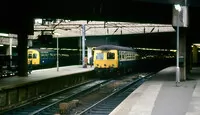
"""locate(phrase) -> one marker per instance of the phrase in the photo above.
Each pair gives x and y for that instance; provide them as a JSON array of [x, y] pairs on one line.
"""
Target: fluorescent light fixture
[[196, 44], [14, 46], [57, 34], [1, 45], [50, 48], [43, 48], [4, 34], [38, 21]]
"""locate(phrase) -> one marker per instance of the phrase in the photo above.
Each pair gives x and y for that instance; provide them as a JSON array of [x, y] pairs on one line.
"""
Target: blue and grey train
[[114, 59], [41, 57]]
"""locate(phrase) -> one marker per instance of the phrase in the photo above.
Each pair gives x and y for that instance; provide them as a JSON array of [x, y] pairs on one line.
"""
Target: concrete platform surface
[[42, 74], [161, 96]]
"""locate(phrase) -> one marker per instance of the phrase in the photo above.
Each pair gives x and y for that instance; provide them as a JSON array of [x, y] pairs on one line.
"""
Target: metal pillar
[[188, 56], [177, 53], [80, 51], [10, 51], [57, 55], [83, 43]]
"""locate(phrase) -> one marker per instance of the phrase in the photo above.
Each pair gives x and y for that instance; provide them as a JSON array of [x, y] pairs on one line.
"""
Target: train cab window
[[99, 56], [110, 55], [29, 55], [34, 55]]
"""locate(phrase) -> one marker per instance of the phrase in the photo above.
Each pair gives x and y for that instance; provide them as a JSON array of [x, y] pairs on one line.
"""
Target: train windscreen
[[110, 55], [34, 55], [99, 56], [29, 56]]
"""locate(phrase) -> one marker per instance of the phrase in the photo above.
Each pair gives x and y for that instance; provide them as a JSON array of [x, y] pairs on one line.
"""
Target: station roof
[[112, 47], [144, 11], [67, 28]]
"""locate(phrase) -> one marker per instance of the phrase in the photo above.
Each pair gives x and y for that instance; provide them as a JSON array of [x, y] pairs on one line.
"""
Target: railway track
[[107, 104], [109, 97], [51, 101]]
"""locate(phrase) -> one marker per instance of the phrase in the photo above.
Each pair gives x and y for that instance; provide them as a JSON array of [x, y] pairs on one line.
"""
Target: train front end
[[105, 61]]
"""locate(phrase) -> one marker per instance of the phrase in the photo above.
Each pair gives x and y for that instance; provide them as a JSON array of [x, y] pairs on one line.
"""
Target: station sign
[[182, 20]]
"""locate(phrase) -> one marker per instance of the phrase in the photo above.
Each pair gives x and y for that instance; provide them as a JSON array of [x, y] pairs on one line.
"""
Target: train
[[42, 57], [46, 58], [114, 59]]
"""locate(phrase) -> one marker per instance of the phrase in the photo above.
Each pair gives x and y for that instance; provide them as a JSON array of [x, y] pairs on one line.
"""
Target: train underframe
[[113, 72]]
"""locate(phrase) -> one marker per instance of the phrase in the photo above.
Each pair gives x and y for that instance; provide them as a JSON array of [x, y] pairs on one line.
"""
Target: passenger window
[[51, 55], [29, 55], [125, 55], [44, 55], [34, 55], [122, 55], [110, 55], [134, 57]]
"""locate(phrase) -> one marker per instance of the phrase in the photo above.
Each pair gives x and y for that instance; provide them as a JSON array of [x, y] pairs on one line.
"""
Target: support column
[[7, 50], [188, 56], [83, 44], [25, 22], [182, 54], [22, 54]]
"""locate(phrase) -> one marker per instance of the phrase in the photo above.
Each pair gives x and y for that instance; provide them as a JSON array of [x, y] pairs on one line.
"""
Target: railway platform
[[161, 96], [42, 74], [17, 90]]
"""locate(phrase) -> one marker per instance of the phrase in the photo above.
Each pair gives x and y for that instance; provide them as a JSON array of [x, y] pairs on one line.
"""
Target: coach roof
[[113, 47]]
